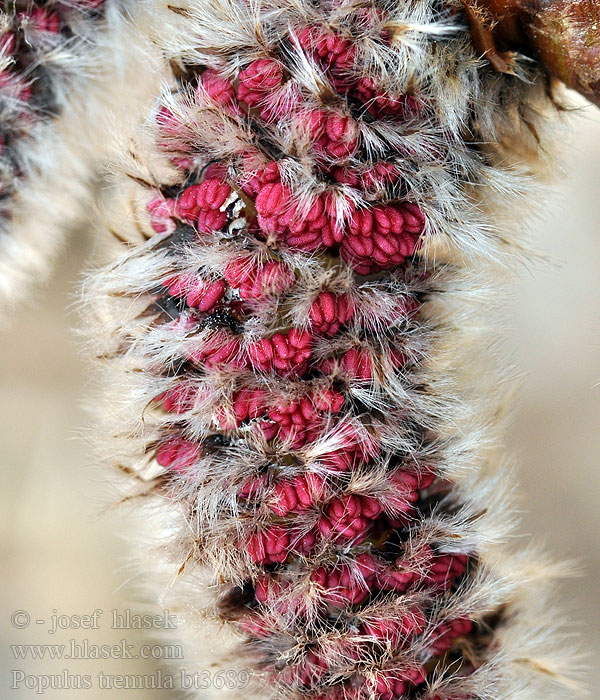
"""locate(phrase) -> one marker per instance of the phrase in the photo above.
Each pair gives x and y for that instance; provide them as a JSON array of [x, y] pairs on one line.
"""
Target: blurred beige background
[[59, 554]]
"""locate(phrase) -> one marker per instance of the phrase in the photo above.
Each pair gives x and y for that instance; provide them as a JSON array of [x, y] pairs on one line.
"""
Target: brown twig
[[563, 34]]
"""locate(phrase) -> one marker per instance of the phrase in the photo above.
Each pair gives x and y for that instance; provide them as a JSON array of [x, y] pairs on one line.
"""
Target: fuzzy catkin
[[295, 345], [67, 95], [47, 53]]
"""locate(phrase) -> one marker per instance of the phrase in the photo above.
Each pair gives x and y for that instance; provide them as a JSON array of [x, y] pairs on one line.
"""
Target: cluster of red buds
[[369, 238]]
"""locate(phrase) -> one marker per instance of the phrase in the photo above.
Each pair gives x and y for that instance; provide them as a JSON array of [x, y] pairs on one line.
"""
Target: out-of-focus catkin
[[47, 55]]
